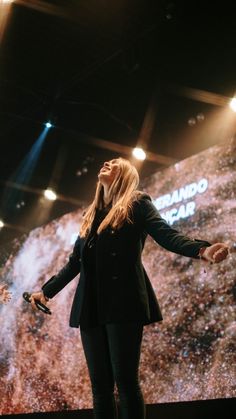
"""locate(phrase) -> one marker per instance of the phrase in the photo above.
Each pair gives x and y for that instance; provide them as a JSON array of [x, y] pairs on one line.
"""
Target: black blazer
[[124, 289]]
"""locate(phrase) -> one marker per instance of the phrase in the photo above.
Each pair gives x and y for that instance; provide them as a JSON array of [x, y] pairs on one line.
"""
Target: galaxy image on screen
[[190, 355]]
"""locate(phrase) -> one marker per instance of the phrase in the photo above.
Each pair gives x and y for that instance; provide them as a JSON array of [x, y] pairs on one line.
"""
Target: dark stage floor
[[206, 409]]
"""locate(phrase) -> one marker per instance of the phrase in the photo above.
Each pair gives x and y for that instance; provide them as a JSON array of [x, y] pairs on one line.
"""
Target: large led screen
[[188, 356]]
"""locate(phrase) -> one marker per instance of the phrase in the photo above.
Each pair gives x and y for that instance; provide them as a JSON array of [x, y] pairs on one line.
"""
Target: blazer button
[[112, 231], [113, 253], [114, 277]]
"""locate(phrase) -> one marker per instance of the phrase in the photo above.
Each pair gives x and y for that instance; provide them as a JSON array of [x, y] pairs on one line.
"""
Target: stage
[[205, 409]]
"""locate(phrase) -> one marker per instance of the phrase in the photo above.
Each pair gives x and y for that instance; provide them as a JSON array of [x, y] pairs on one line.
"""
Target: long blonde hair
[[122, 191]]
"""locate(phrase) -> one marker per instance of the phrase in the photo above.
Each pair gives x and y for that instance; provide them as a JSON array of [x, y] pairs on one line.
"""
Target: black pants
[[112, 353]]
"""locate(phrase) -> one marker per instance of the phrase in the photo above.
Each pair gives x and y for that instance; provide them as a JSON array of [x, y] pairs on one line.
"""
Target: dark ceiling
[[107, 74]]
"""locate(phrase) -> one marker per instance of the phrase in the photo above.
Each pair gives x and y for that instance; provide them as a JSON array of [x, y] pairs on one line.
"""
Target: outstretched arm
[[172, 240], [166, 236]]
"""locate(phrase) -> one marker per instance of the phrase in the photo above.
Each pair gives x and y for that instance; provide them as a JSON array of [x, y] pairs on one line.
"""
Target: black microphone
[[41, 306]]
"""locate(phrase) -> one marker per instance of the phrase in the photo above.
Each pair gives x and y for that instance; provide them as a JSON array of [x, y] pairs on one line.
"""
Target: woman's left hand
[[216, 252]]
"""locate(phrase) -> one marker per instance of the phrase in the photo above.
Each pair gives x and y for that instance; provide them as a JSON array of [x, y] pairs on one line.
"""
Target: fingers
[[6, 300], [37, 296], [8, 296], [33, 297], [32, 301], [216, 252], [221, 254], [5, 295]]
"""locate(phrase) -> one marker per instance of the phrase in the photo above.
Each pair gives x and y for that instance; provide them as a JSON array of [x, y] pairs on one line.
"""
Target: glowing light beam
[[24, 173], [27, 166]]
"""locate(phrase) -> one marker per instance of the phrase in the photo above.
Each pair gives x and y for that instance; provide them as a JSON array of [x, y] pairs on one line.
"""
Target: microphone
[[41, 306]]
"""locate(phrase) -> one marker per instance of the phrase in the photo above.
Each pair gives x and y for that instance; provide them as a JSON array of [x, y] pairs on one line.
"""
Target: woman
[[114, 298]]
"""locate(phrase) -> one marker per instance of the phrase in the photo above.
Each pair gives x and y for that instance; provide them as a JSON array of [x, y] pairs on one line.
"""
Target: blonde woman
[[114, 298]]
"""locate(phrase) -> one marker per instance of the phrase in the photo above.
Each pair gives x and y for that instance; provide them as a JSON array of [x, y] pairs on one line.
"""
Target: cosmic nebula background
[[188, 356]]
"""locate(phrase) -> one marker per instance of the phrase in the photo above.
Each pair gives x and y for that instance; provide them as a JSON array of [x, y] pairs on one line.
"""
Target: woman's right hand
[[37, 296]]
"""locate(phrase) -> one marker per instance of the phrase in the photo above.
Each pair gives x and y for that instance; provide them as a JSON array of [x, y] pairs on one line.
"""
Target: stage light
[[48, 125], [139, 153], [50, 195], [232, 104], [200, 117], [192, 122], [1, 224], [7, 1], [20, 204]]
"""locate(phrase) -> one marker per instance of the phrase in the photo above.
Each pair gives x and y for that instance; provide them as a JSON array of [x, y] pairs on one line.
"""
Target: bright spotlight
[[48, 124], [232, 104], [1, 224], [7, 1], [139, 153], [50, 195]]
